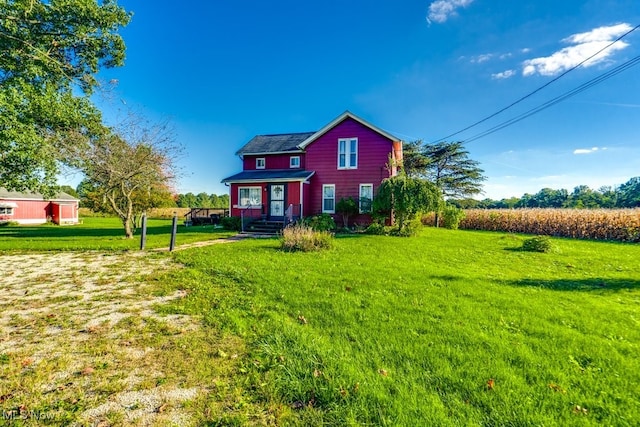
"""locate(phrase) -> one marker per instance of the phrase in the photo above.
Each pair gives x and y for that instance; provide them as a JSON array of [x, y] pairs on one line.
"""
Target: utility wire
[[597, 80], [540, 88]]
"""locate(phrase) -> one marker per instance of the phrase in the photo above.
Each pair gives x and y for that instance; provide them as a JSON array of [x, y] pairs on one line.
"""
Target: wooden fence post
[[174, 229], [143, 235]]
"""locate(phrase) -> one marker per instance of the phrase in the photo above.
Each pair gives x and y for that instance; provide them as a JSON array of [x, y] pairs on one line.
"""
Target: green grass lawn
[[448, 328], [97, 233]]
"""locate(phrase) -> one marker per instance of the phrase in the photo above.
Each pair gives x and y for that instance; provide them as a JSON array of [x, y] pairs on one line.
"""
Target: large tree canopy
[[50, 52], [447, 165]]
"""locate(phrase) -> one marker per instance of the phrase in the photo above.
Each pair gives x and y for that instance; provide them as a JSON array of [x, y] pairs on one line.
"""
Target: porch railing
[[292, 214], [250, 213]]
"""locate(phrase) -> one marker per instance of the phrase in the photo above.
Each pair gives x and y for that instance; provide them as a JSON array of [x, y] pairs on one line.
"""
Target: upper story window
[[347, 153], [260, 163], [294, 161]]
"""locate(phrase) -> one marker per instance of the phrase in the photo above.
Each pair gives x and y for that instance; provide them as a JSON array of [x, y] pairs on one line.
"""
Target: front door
[[276, 200]]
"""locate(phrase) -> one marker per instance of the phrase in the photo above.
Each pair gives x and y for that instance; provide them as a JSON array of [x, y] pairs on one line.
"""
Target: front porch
[[257, 219]]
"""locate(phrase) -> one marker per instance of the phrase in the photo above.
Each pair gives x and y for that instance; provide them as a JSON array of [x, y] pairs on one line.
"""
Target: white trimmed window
[[348, 153], [365, 198], [260, 163], [6, 210], [294, 161], [249, 196], [329, 198]]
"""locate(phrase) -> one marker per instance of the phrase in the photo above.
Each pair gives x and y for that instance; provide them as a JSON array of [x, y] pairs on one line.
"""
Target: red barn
[[292, 175], [34, 208]]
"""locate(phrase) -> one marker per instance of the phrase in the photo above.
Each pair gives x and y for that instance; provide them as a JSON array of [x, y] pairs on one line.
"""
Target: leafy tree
[[223, 201], [69, 190], [187, 200], [549, 198], [131, 168], [452, 171], [414, 162], [51, 51], [203, 200], [629, 193], [405, 198], [347, 208]]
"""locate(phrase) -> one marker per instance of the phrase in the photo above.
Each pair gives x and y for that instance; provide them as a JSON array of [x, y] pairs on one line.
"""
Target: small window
[[366, 198], [250, 197], [348, 153], [260, 163], [294, 161], [328, 198], [6, 210]]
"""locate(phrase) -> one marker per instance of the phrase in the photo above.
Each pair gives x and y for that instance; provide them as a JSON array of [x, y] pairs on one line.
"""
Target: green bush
[[302, 238], [376, 229], [9, 223], [411, 228], [323, 222], [452, 216], [233, 223], [347, 207], [537, 244]]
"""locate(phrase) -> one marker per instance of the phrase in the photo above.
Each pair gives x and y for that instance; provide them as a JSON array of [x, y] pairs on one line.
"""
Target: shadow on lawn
[[594, 284], [80, 231]]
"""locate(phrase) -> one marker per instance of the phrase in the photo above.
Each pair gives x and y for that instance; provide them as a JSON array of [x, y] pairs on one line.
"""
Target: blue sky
[[223, 72]]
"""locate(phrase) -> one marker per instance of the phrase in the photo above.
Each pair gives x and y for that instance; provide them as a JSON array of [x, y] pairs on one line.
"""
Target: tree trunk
[[128, 231]]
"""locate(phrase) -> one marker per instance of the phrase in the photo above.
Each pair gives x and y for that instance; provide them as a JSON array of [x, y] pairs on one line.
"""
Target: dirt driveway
[[78, 337]]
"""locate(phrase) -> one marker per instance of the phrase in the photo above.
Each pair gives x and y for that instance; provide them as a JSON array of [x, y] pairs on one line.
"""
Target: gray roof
[[280, 143], [16, 195], [282, 175]]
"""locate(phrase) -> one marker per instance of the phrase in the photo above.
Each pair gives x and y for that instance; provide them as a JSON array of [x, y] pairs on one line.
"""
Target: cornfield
[[601, 224]]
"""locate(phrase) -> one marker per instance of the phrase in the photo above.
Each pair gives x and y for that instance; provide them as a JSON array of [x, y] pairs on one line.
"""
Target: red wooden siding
[[272, 161], [39, 211], [293, 195], [322, 157], [63, 213]]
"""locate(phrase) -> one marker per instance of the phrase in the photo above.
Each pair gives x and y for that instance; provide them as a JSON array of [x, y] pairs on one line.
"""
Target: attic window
[[348, 153], [294, 161], [260, 163]]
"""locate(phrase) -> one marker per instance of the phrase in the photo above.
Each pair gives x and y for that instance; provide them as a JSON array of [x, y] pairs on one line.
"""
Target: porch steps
[[264, 227]]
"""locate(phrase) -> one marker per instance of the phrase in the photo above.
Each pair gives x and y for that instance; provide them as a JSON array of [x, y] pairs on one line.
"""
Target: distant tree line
[[160, 197], [202, 200], [626, 195]]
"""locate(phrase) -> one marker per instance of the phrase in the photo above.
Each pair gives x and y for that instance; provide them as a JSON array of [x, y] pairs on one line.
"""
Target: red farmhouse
[[303, 174], [33, 208]]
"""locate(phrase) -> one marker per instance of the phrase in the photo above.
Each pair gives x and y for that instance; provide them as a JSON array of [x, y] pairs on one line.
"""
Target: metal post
[[174, 229], [143, 235]]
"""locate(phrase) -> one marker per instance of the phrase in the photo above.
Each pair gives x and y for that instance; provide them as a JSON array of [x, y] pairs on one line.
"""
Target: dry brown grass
[[601, 224]]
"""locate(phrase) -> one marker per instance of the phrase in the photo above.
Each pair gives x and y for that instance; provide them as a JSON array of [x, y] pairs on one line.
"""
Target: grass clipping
[[302, 238]]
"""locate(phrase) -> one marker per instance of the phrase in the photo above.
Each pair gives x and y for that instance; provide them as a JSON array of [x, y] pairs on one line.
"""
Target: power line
[[597, 80], [540, 88]]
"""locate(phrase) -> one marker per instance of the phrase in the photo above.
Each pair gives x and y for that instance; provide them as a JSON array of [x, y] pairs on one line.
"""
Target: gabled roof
[[272, 144], [340, 119], [16, 195], [274, 175], [296, 142]]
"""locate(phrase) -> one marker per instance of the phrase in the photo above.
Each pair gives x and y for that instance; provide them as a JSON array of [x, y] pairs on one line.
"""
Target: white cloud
[[583, 46], [481, 58], [503, 75], [588, 150], [441, 10]]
